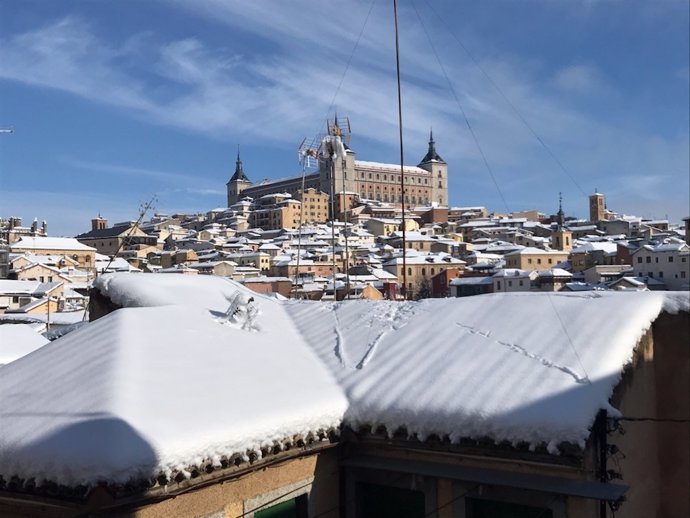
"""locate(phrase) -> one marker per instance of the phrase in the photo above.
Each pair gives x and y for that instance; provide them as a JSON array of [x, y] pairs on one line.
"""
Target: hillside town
[[284, 241]]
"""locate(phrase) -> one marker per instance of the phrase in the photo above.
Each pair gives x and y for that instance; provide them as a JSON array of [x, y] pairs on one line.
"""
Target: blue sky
[[114, 102]]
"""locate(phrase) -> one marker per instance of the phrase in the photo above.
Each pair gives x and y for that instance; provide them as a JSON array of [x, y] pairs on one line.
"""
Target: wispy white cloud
[[581, 79], [282, 93], [120, 170]]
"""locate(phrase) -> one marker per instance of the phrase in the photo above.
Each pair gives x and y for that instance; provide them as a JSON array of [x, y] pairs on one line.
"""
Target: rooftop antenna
[[333, 148], [143, 209], [344, 131], [308, 157]]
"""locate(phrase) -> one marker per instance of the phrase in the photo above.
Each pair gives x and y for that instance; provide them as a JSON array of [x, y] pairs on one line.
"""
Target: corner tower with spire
[[238, 183], [438, 168]]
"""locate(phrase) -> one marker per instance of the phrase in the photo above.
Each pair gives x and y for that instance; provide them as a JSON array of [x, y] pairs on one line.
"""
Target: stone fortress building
[[425, 184]]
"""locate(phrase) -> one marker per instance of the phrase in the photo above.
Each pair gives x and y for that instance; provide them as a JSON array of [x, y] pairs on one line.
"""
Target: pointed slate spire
[[239, 171], [431, 154], [560, 216]]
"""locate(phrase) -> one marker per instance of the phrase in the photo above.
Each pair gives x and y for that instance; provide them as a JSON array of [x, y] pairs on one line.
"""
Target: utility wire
[[457, 100], [274, 500], [349, 60], [442, 506], [570, 340], [505, 98]]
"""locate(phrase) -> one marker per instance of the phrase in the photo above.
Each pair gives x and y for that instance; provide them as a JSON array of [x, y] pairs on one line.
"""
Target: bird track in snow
[[519, 349]]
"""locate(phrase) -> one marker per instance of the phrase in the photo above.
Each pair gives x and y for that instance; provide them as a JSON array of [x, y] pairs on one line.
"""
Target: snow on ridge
[[143, 290]]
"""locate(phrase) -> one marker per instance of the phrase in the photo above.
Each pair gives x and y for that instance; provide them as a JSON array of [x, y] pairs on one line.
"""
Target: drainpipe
[[601, 431]]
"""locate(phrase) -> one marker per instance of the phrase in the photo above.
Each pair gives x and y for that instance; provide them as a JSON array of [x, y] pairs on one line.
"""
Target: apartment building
[[666, 262]]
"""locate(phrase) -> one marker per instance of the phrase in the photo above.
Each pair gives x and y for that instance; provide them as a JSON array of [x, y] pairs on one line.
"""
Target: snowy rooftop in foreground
[[162, 385]]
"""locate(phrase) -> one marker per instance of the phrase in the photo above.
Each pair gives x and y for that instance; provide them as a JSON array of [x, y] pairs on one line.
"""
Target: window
[[538, 261], [670, 258], [498, 285], [476, 508], [423, 272], [510, 284], [682, 274], [639, 259], [520, 283], [661, 275], [656, 259], [375, 501], [649, 259]]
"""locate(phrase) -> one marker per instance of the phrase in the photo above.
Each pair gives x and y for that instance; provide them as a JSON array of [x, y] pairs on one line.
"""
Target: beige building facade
[[535, 259], [85, 256]]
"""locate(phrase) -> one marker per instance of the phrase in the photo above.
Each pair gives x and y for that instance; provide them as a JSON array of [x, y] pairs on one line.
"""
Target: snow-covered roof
[[555, 272], [388, 168], [104, 411], [35, 288], [50, 243], [607, 247], [462, 373]]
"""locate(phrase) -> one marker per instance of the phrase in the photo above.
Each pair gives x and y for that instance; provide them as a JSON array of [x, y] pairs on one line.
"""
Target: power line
[[505, 98], [570, 341], [457, 100], [349, 60]]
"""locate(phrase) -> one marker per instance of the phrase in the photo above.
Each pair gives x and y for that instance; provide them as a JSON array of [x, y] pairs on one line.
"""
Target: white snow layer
[[171, 380], [17, 340]]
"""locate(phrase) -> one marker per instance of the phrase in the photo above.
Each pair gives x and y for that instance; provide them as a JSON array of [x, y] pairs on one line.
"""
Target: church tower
[[597, 207], [438, 168], [238, 183], [561, 239]]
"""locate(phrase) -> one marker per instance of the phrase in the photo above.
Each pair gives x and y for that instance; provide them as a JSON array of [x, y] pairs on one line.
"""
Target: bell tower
[[238, 183], [597, 206], [438, 168]]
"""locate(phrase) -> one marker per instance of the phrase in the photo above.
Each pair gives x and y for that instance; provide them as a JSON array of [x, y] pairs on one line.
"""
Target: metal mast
[[403, 290]]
